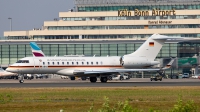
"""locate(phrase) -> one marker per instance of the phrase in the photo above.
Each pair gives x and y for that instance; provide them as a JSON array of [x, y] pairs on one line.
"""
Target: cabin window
[[101, 63], [58, 63], [97, 63], [63, 63], [77, 63], [92, 63], [72, 63], [87, 63], [48, 63], [68, 63], [53, 63], [43, 63], [82, 63]]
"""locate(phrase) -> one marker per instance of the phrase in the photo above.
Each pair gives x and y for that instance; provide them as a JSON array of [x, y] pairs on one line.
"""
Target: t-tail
[[151, 47], [36, 51]]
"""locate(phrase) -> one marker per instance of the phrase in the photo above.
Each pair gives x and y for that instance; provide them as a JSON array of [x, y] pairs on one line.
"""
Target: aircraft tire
[[21, 81], [72, 78], [104, 79], [93, 79]]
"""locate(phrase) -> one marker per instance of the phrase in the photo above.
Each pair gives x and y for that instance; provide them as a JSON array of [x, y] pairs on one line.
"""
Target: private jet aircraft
[[82, 66], [4, 73]]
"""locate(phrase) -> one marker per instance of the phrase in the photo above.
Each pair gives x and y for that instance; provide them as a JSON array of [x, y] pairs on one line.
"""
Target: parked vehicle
[[41, 76], [119, 77], [126, 76], [156, 77], [185, 75], [85, 78], [64, 77], [195, 76], [28, 76]]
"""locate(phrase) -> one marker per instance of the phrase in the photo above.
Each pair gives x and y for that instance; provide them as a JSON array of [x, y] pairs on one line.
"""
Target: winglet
[[36, 51]]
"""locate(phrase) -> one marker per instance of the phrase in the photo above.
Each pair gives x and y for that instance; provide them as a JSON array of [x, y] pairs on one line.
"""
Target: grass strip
[[81, 99]]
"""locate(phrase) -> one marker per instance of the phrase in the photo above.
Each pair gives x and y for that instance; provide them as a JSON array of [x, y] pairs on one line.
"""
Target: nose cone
[[11, 69]]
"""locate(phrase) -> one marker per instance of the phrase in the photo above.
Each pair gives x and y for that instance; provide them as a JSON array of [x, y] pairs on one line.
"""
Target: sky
[[29, 14]]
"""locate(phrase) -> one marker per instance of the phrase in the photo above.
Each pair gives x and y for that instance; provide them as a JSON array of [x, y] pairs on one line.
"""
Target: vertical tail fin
[[151, 47], [36, 51]]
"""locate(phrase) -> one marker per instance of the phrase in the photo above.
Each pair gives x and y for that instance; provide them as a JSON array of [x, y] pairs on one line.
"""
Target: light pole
[[10, 23]]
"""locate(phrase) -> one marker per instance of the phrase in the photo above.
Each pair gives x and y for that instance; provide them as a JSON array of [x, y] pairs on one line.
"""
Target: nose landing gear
[[21, 78]]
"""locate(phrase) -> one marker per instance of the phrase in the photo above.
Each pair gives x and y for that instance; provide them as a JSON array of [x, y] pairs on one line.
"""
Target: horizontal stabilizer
[[169, 64]]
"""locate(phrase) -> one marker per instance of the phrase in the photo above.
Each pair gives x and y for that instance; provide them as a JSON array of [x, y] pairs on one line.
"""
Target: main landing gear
[[21, 78], [93, 79], [102, 79]]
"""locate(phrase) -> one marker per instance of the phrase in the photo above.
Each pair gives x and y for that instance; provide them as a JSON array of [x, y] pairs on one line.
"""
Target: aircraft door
[[121, 60], [37, 65]]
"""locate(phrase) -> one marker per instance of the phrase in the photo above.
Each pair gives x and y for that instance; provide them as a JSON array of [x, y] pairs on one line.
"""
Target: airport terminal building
[[111, 27]]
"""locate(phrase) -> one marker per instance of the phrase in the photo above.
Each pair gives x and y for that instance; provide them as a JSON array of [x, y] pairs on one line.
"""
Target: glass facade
[[130, 18], [3, 38], [139, 7], [188, 49], [125, 36], [124, 27], [11, 53]]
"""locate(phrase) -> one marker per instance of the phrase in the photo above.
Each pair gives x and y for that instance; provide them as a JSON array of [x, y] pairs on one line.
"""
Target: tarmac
[[133, 82]]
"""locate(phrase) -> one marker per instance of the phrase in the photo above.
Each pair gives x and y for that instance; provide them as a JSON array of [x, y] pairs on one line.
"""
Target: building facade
[[92, 26], [116, 19]]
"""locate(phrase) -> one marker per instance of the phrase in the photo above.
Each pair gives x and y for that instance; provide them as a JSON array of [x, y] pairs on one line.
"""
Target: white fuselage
[[51, 65]]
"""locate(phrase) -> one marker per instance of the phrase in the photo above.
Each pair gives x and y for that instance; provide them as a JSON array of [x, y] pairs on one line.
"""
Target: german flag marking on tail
[[151, 44]]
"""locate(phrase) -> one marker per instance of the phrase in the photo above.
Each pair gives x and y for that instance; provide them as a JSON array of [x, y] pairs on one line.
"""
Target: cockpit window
[[23, 61]]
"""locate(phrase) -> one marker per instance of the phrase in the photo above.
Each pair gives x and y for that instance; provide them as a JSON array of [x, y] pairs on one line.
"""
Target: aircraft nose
[[9, 69]]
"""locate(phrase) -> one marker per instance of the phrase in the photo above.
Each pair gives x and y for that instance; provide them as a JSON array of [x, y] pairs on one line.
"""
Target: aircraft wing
[[124, 70], [111, 71], [108, 71], [102, 71]]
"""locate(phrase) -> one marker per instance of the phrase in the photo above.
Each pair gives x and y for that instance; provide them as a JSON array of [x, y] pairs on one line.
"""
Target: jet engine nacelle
[[129, 61], [68, 72]]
